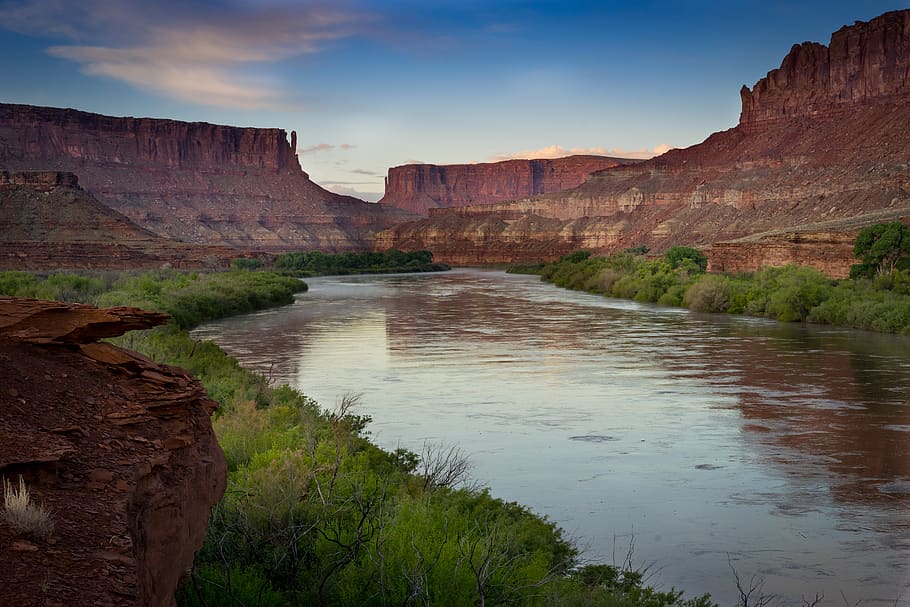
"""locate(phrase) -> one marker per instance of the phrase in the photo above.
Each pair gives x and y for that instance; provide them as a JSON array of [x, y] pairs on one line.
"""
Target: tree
[[677, 256], [882, 248]]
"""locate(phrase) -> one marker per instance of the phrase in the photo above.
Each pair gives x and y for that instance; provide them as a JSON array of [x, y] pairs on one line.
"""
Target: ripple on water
[[594, 438]]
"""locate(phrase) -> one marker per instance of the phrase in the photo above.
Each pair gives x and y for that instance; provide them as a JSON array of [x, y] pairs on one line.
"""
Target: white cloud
[[185, 51], [557, 151]]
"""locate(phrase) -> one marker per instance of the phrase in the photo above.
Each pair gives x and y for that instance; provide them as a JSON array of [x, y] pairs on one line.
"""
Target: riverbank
[[787, 294], [316, 513]]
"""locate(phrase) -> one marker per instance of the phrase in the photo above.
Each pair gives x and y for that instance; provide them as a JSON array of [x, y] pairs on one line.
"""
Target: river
[[707, 443]]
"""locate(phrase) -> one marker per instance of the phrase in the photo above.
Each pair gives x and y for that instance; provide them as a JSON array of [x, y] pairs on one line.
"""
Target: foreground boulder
[[119, 449]]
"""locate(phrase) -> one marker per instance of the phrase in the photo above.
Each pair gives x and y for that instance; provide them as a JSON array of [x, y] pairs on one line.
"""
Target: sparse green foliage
[[24, 516]]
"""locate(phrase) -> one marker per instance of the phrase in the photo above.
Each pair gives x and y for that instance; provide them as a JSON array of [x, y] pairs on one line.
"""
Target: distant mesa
[[192, 181], [421, 187], [822, 148]]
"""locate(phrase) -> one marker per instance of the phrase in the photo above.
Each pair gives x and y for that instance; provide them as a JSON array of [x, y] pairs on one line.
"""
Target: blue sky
[[368, 84]]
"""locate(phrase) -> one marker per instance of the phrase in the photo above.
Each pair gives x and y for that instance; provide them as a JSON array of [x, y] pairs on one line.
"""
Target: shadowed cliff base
[[48, 222]]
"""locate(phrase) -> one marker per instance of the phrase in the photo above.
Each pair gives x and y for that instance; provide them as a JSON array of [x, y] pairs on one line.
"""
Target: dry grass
[[22, 515]]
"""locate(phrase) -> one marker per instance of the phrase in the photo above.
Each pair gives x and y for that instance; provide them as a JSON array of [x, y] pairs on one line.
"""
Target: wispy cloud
[[185, 51], [365, 172], [557, 151], [319, 147], [325, 147]]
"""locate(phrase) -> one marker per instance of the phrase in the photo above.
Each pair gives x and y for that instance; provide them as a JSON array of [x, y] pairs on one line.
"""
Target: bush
[[709, 294], [245, 263], [24, 516], [678, 256]]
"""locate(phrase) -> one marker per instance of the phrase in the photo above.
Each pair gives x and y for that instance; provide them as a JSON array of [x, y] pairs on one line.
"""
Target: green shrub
[[691, 258], [708, 294]]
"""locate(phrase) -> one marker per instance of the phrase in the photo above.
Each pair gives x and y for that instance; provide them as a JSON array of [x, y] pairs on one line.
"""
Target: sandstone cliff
[[864, 64], [48, 222], [421, 187], [195, 182], [118, 448], [801, 167]]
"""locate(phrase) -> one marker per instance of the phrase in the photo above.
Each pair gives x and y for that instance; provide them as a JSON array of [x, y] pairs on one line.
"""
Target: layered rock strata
[[195, 182], [801, 167], [421, 187], [864, 64], [48, 222], [119, 449]]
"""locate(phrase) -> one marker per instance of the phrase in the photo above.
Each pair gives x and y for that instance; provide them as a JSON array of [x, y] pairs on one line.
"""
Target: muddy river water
[[710, 443]]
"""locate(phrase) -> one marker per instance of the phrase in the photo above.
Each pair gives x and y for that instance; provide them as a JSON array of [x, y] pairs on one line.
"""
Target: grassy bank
[[317, 514], [789, 293]]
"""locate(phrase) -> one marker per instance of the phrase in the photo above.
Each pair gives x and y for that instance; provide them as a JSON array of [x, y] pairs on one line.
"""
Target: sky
[[374, 84]]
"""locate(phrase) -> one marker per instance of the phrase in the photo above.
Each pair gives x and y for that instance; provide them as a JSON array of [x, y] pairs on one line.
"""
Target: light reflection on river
[[783, 449]]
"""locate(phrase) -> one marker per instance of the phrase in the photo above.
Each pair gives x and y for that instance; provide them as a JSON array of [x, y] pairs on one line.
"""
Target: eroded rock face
[[48, 222], [194, 182], [119, 448], [864, 64], [421, 187], [800, 168]]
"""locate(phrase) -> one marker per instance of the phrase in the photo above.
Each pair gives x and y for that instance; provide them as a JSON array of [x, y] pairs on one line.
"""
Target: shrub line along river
[[783, 450]]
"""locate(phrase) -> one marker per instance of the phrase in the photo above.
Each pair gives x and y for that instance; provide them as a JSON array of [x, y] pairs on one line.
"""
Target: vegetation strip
[[876, 297]]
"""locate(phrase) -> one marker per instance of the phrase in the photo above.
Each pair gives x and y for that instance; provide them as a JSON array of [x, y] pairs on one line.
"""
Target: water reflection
[[780, 447]]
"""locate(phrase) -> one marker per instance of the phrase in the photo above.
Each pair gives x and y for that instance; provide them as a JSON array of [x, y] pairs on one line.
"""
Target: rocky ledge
[[119, 449]]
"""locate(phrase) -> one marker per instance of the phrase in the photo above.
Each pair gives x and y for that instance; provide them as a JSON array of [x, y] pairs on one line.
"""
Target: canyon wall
[[120, 451], [51, 134], [48, 222], [194, 182], [421, 187], [802, 167], [864, 64]]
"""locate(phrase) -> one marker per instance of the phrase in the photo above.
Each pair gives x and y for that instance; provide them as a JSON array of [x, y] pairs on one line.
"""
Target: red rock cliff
[[866, 63], [50, 134], [421, 187], [194, 182], [119, 449], [802, 167]]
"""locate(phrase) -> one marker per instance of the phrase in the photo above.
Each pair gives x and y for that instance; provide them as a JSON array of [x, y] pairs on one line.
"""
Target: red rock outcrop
[[48, 222], [118, 448], [421, 187], [864, 64], [802, 167], [195, 182]]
